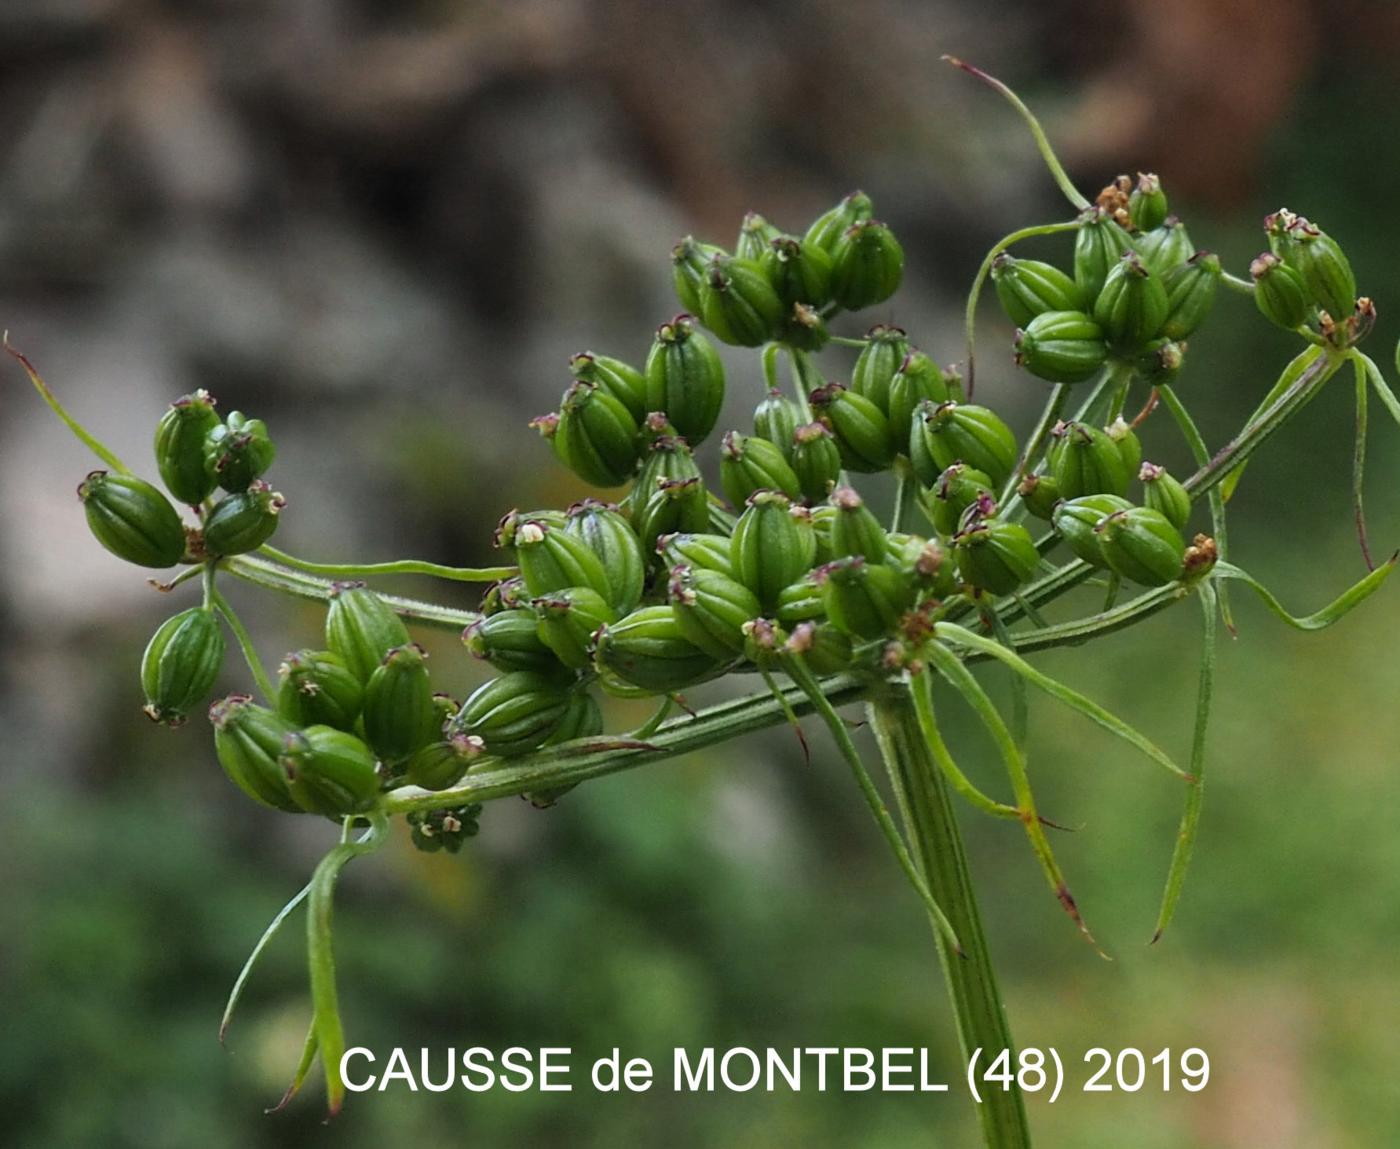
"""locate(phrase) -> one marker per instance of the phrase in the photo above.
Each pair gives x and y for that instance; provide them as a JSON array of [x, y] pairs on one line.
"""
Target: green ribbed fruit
[[867, 265], [957, 488], [180, 665], [620, 380], [917, 379], [510, 640], [748, 464], [738, 303], [440, 765], [828, 228], [685, 379], [1132, 306], [1087, 461], [860, 428], [1165, 247], [550, 559], [1190, 294], [960, 433], [885, 350], [1098, 246], [711, 609], [1141, 545], [318, 689], [816, 460], [855, 530], [329, 771], [773, 545], [864, 600], [689, 259], [1061, 347], [610, 536], [132, 519], [1077, 521], [1164, 494], [248, 742], [568, 620], [1147, 204], [180, 437], [361, 628], [800, 272], [595, 436], [1279, 292], [775, 418], [648, 650], [996, 557], [513, 714], [243, 521], [400, 716], [701, 549], [1027, 288], [238, 451]]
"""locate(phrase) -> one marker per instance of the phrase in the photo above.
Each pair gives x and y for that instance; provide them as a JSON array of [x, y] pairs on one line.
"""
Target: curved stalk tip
[[81, 433], [1042, 141]]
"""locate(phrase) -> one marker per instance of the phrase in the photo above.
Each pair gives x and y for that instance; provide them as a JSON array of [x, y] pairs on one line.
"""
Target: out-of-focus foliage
[[386, 233]]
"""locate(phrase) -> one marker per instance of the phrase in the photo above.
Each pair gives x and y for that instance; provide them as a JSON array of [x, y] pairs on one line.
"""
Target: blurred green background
[[384, 228]]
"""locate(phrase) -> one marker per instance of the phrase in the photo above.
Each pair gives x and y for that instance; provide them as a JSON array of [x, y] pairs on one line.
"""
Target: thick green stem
[[799, 673], [936, 842], [326, 1027], [584, 759], [1298, 394]]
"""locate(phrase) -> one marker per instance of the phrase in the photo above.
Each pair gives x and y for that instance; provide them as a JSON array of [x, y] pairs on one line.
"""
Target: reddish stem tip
[[286, 1097]]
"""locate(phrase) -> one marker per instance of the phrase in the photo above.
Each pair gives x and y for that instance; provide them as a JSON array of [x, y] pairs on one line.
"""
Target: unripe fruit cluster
[[347, 719], [197, 454], [1305, 279], [1136, 289], [675, 584]]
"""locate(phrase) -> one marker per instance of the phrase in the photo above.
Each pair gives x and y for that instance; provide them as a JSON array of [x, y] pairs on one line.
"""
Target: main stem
[[936, 843]]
